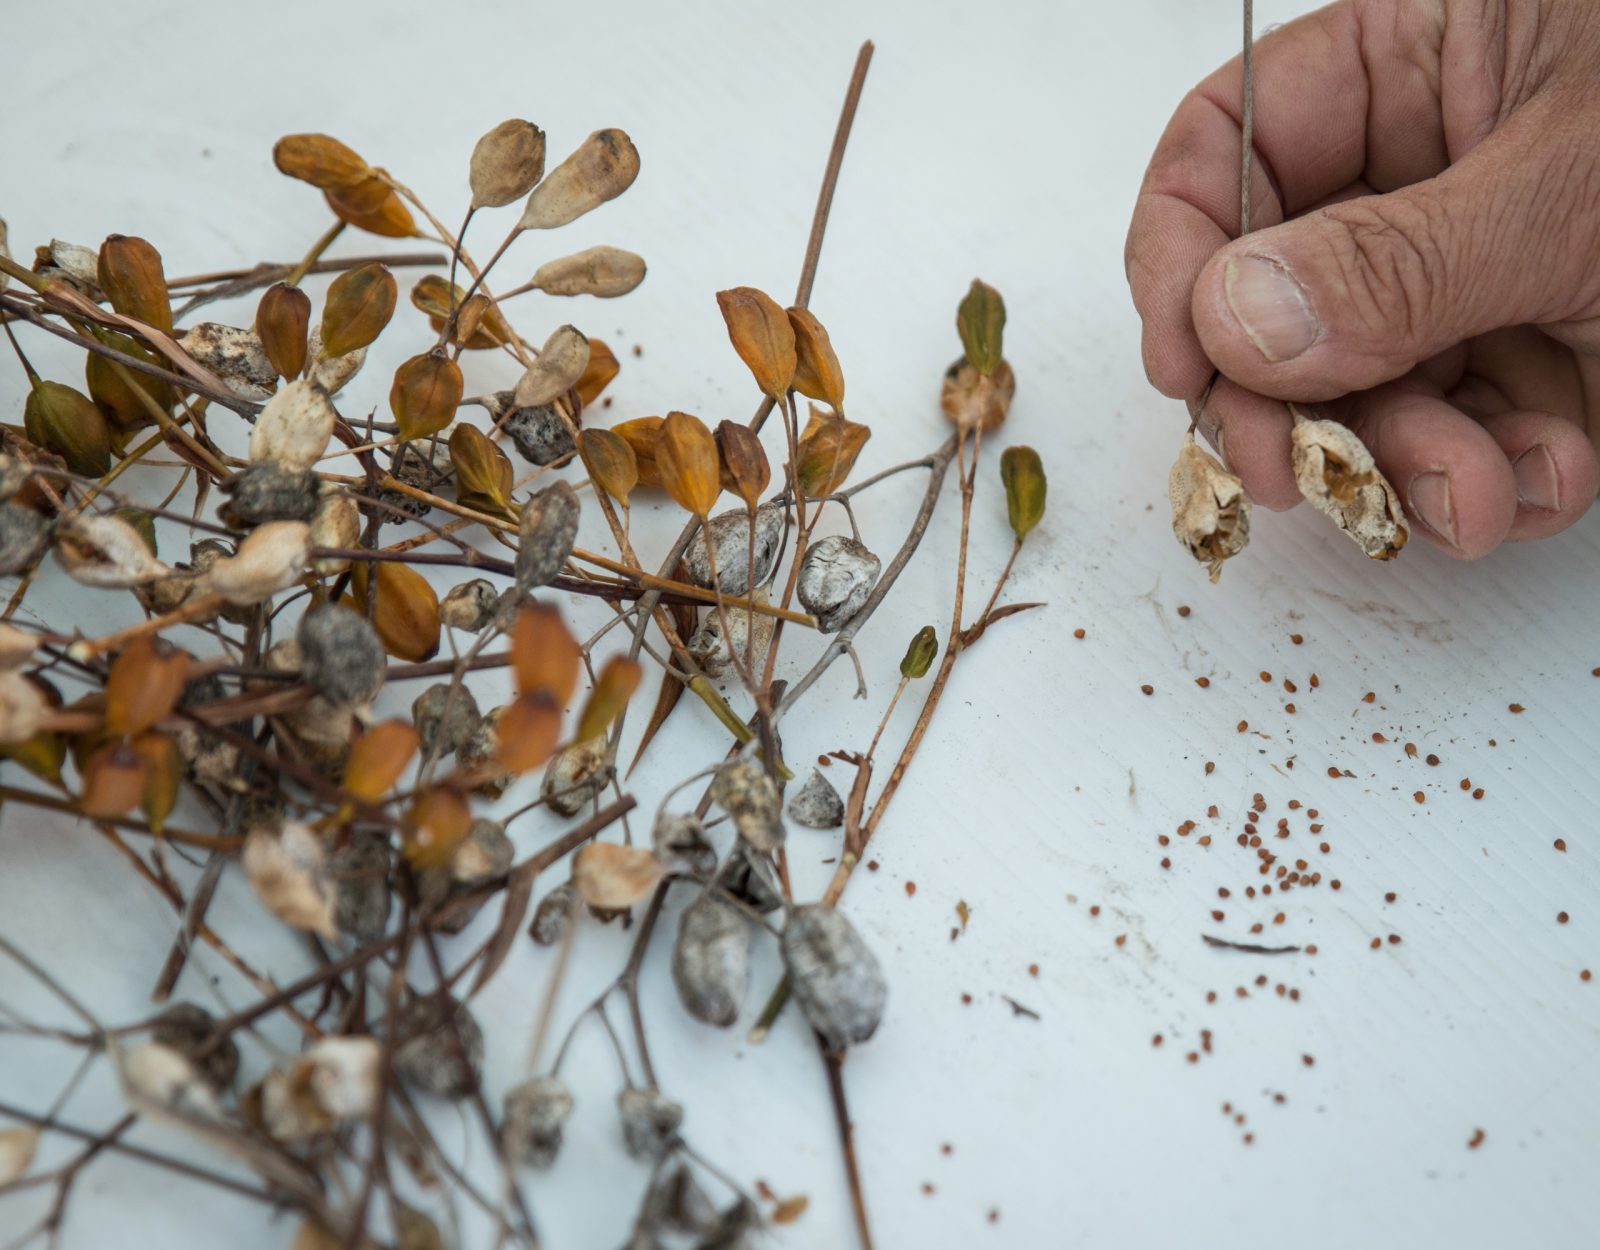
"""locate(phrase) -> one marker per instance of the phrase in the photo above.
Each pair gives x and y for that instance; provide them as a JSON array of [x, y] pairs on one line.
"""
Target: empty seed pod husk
[[358, 306], [469, 606], [161, 1084], [335, 523], [552, 915], [295, 426], [481, 753], [130, 274], [575, 776], [22, 705], [817, 805], [283, 324], [429, 1056], [974, 400], [1336, 472], [269, 490], [650, 1121], [320, 160], [106, 551], [1210, 511], [760, 332], [425, 393], [981, 323], [427, 714], [747, 883], [236, 356], [332, 373], [718, 657], [602, 168], [560, 363], [360, 873], [69, 423], [288, 872], [545, 535], [341, 653], [506, 163], [535, 1110], [273, 557], [605, 272], [750, 797], [679, 841], [817, 374], [613, 878], [540, 434], [677, 1202], [186, 1027], [834, 977], [72, 263], [729, 534], [836, 577], [711, 960], [24, 537], [827, 452]]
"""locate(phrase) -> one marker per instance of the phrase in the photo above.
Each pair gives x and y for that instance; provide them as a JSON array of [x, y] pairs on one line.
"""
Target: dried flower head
[[834, 977], [561, 362], [650, 1121], [440, 1048], [729, 535], [535, 1110], [341, 652], [836, 577], [711, 960], [236, 356], [287, 871], [750, 797], [283, 322], [273, 557], [295, 426], [469, 606], [1336, 472], [545, 535], [506, 163], [605, 272], [1210, 511], [602, 168], [817, 804]]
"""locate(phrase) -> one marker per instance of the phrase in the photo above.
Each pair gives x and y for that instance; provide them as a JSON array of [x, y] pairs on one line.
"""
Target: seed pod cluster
[[834, 977], [836, 577]]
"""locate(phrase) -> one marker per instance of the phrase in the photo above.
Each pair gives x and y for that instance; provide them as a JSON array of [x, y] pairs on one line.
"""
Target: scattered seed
[[1311, 950], [1584, 974], [1394, 939], [1466, 783], [1243, 725], [824, 760], [1256, 928], [911, 888], [1561, 917], [1163, 839], [946, 1148], [1148, 689], [1333, 772], [1077, 633], [1334, 883], [1211, 996], [1212, 811], [1376, 942], [1561, 844], [1202, 682], [1420, 797], [1307, 1060], [1369, 697], [1166, 863], [1241, 992], [1216, 915], [1205, 840], [1411, 749], [1278, 919], [1121, 939], [1183, 611], [872, 865], [1033, 970], [1433, 761], [1314, 682], [1289, 707], [1095, 910], [1210, 768], [966, 998], [927, 1188], [1156, 1040], [1516, 707], [1389, 898], [1222, 891], [1379, 738], [1477, 1139], [1296, 639], [1477, 794], [1205, 1040], [1266, 676], [1193, 1057]]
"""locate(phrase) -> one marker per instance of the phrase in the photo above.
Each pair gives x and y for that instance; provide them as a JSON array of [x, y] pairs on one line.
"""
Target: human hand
[[1425, 257]]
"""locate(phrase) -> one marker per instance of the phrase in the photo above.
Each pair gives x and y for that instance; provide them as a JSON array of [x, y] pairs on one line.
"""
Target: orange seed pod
[[546, 655], [827, 452], [283, 321], [320, 160], [817, 374], [406, 616], [760, 332], [686, 459], [746, 461], [435, 826], [359, 304], [529, 731], [113, 781], [641, 434], [425, 394], [131, 276], [144, 684], [611, 462], [617, 682], [378, 758]]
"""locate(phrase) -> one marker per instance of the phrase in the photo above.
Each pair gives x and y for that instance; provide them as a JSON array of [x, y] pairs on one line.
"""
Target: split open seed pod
[[760, 332], [69, 423], [469, 607], [320, 160], [641, 434], [611, 463], [834, 977], [975, 400], [687, 460], [719, 656], [1210, 511], [544, 653], [272, 557], [335, 372], [1336, 472], [817, 373], [107, 552], [283, 320], [425, 394], [358, 306], [144, 684], [836, 578], [406, 615], [827, 452], [295, 426], [372, 205], [605, 272], [711, 960], [506, 163], [546, 533], [1025, 485], [577, 774], [236, 356], [750, 797], [602, 168], [130, 274], [287, 871], [679, 841], [560, 364], [341, 654], [541, 435]]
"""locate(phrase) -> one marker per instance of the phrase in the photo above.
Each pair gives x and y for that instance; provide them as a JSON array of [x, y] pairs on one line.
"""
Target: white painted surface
[[1007, 141]]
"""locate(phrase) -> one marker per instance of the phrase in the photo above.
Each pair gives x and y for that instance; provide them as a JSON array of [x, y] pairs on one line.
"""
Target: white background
[[1004, 140]]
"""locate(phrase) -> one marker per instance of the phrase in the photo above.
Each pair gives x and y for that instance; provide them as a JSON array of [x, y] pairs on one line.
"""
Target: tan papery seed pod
[[234, 355], [1336, 472], [641, 434], [271, 558], [817, 373], [17, 1145], [406, 615], [336, 523], [107, 552], [144, 684], [469, 607], [603, 167], [611, 462], [554, 912], [506, 164], [746, 462], [295, 426], [977, 401], [605, 272], [333, 373], [560, 364], [287, 872], [718, 657], [575, 776], [597, 374], [760, 332], [1210, 511], [283, 323], [688, 462], [160, 1083]]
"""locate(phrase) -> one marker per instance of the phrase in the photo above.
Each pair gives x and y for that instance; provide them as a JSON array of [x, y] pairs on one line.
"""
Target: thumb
[[1357, 293]]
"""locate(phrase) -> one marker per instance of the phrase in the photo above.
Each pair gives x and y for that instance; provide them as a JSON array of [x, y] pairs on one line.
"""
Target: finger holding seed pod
[[836, 577], [817, 805], [269, 490], [602, 168], [506, 163], [360, 872], [750, 797], [554, 913], [545, 535], [1210, 511], [650, 1121], [283, 323], [469, 606], [342, 654], [711, 960], [440, 1047], [1336, 472], [535, 1111], [679, 841], [604, 272], [234, 355], [834, 977], [729, 534]]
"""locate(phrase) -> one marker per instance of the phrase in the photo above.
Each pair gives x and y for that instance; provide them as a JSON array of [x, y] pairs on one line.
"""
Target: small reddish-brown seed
[[1561, 917], [1561, 844], [1163, 839], [825, 761], [1290, 686], [1394, 939], [1376, 942], [994, 1215], [1241, 992], [1584, 974], [1516, 707], [1166, 863], [637, 350], [1243, 725], [1477, 1139], [1379, 738], [1323, 848], [1314, 682], [1244, 839], [1205, 1040], [1254, 840], [1493, 743], [1212, 811], [1282, 989], [1307, 1060], [911, 888], [1210, 768], [1300, 864], [1077, 633], [1250, 891], [1202, 682], [872, 865], [1296, 639], [1192, 1057], [1278, 919], [1369, 696], [1420, 797], [1033, 970], [1316, 828], [1222, 891], [1433, 761], [1211, 996], [1261, 980], [1216, 915], [1294, 805], [927, 1188], [1411, 749], [1256, 928], [1095, 910], [1333, 772], [1311, 812], [1121, 938], [1148, 689], [966, 998], [1389, 898], [1204, 840], [1249, 827], [1266, 676], [1311, 950], [1334, 883], [1183, 611], [1466, 783], [1289, 707], [1477, 794], [1156, 1040]]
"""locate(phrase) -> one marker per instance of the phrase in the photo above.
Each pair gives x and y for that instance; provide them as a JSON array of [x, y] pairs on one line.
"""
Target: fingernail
[[1269, 306], [1537, 483], [1429, 497]]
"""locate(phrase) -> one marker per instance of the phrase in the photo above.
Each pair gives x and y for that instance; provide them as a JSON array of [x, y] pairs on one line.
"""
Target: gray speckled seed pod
[[469, 606], [360, 874], [428, 1056], [649, 1121], [551, 915], [817, 805], [341, 654], [269, 491], [711, 960], [24, 536], [484, 854], [535, 1110], [186, 1027], [743, 790], [427, 713], [835, 579], [834, 977], [575, 776], [545, 535], [540, 435], [730, 543], [679, 841]]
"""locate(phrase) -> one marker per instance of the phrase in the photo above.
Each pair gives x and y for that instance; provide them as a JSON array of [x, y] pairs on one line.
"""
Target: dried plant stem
[[833, 1061], [889, 711], [299, 272], [1248, 122], [830, 176]]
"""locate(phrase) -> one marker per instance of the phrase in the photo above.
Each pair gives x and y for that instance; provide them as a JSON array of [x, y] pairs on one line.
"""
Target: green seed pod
[[981, 322], [130, 274], [68, 423], [834, 977], [920, 654], [1024, 479], [359, 304], [283, 320], [547, 530]]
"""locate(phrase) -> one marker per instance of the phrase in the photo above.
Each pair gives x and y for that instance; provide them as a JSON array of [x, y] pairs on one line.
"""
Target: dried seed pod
[[750, 797], [342, 655], [597, 374], [746, 471], [506, 163], [1026, 487], [688, 463], [163, 775], [440, 1047], [1210, 511], [427, 713], [760, 332], [611, 463], [236, 356], [5, 281], [295, 426], [827, 452], [24, 537], [436, 297], [641, 435], [335, 523], [283, 323], [679, 841], [469, 606], [14, 475], [817, 373], [650, 1121], [834, 977], [436, 824], [540, 434], [606, 272], [425, 393], [16, 646], [545, 535], [560, 363], [817, 805], [471, 316], [378, 759], [72, 263], [836, 577], [113, 781], [717, 656], [920, 655], [483, 472], [129, 271], [406, 615], [332, 373], [981, 323], [739, 1227], [321, 728], [676, 1201], [185, 1027], [484, 854], [416, 1231], [417, 469], [207, 758], [602, 168], [535, 1110], [22, 705], [374, 206], [69, 423], [550, 918], [106, 551], [320, 160], [343, 1074], [288, 873], [1336, 472], [729, 534], [612, 690], [162, 1084], [974, 400], [119, 398], [745, 881], [612, 877], [358, 306], [271, 558], [575, 776], [360, 873], [481, 754], [269, 490], [711, 960], [144, 684]]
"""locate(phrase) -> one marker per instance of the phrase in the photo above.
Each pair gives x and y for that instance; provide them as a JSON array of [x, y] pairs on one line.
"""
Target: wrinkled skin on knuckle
[[1390, 257]]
